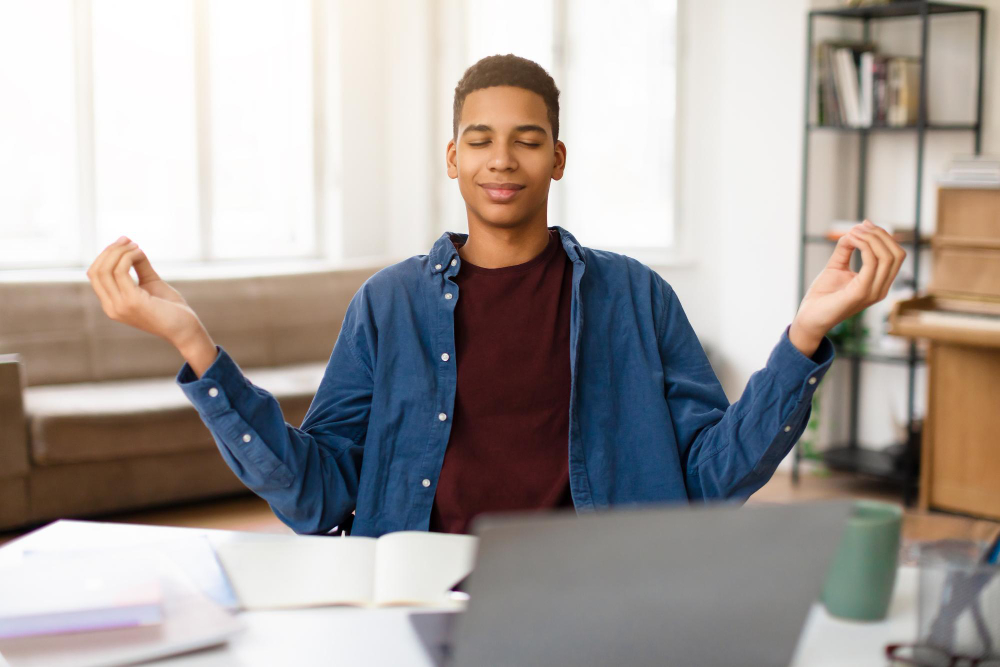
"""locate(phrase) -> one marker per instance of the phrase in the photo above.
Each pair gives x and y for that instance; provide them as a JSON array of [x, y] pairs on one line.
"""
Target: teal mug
[[862, 575]]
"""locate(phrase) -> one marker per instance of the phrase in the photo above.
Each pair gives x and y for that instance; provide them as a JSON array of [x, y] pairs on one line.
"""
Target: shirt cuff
[[221, 385], [794, 371]]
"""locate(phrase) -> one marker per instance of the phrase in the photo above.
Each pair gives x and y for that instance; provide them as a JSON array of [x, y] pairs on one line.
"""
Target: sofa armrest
[[13, 423]]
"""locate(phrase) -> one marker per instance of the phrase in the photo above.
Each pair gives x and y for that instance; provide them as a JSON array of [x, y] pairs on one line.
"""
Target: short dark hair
[[508, 70]]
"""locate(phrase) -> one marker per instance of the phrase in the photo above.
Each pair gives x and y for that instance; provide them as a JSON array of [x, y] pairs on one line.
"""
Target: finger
[[883, 266], [126, 286], [841, 257], [898, 256], [93, 275], [143, 269], [869, 263], [106, 276]]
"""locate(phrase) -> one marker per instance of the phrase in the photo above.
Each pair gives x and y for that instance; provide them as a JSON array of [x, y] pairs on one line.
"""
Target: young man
[[509, 368]]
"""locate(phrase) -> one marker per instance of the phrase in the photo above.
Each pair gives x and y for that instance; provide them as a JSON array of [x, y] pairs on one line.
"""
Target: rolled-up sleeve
[[731, 450], [309, 475]]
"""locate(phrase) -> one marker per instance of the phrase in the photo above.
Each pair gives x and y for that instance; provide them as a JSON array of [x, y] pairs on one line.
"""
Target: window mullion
[[203, 116], [319, 143], [84, 79]]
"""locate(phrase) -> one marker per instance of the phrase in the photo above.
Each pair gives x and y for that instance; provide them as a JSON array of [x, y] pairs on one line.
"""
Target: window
[[615, 66], [210, 130], [39, 190], [188, 125], [618, 120]]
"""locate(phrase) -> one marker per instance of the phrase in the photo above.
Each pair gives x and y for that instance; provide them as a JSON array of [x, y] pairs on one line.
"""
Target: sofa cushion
[[265, 316], [98, 487], [115, 419]]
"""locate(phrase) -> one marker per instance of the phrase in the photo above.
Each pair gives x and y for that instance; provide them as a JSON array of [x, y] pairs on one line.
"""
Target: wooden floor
[[250, 513]]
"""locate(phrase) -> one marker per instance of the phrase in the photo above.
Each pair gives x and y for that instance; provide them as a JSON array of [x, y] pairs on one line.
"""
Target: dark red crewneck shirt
[[509, 443]]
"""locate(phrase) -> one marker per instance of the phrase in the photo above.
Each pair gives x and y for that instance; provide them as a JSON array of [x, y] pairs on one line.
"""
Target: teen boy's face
[[504, 157]]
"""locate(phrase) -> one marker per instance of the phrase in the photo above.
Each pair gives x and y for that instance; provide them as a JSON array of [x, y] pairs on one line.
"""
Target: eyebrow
[[519, 128]]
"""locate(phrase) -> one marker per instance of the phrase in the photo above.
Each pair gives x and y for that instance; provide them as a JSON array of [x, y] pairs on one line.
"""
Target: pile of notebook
[[972, 171], [115, 605], [135, 596]]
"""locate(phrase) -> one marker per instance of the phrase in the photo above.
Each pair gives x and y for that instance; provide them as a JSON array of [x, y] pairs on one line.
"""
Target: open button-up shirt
[[649, 421]]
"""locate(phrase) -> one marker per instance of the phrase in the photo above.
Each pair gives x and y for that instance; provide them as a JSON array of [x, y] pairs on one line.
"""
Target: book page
[[417, 567], [300, 571]]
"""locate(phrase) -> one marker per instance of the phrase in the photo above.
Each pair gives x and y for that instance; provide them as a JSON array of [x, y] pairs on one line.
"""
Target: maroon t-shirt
[[509, 442]]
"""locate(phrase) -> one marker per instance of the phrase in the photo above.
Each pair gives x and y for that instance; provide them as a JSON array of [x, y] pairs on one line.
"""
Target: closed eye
[[483, 143]]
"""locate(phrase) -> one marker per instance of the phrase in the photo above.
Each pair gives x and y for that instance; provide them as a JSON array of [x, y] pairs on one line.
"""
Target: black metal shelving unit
[[899, 463]]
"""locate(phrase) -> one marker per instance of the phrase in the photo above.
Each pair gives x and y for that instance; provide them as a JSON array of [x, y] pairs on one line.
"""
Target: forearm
[[735, 455], [198, 350], [308, 475], [806, 343]]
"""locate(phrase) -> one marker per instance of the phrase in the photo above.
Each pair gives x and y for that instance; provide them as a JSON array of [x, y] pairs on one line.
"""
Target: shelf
[[898, 463], [812, 238], [929, 127], [895, 10], [885, 464], [878, 358]]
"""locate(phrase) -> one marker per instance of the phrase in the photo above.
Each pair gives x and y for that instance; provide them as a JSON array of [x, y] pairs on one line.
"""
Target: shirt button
[[787, 429], [445, 357], [213, 392], [246, 437], [442, 416], [426, 483], [447, 295], [454, 262], [812, 380], [437, 266]]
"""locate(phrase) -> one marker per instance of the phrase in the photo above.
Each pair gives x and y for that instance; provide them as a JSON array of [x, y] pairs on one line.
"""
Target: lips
[[502, 192]]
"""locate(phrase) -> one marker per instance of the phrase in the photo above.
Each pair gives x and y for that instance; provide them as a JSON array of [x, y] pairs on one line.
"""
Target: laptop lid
[[662, 585]]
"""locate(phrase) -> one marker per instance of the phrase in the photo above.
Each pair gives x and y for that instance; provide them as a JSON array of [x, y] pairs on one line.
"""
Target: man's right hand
[[152, 305]]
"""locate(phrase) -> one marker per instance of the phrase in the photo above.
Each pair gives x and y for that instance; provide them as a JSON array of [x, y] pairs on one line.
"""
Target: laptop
[[711, 584]]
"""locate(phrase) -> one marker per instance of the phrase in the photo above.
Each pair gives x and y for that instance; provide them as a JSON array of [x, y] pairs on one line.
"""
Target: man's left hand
[[838, 292]]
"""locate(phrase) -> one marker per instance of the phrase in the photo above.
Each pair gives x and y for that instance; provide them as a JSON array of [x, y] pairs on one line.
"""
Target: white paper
[[300, 571], [416, 567]]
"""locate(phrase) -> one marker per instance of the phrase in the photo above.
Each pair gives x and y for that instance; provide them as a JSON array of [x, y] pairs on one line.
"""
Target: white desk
[[345, 635]]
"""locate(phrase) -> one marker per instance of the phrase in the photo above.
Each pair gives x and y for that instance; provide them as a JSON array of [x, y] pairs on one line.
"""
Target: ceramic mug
[[862, 575]]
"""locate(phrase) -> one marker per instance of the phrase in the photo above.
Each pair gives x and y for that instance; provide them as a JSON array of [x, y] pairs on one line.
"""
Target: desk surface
[[387, 637]]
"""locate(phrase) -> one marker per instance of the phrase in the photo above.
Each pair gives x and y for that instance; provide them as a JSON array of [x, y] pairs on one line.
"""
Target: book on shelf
[[859, 87]]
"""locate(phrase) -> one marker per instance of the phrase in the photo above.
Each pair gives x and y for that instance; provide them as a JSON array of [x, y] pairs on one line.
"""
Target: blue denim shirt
[[649, 421]]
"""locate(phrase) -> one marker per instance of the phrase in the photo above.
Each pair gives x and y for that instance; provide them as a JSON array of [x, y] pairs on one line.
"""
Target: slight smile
[[502, 192]]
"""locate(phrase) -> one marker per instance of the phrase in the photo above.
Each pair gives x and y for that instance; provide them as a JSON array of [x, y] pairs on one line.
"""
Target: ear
[[559, 156], [451, 159]]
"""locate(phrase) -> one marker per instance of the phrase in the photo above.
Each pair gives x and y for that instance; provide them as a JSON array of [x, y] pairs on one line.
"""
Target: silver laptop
[[670, 585]]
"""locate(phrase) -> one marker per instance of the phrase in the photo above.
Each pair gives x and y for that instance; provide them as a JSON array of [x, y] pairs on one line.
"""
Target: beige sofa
[[91, 418]]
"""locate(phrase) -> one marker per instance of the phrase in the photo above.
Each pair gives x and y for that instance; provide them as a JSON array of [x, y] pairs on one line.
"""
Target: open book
[[402, 568]]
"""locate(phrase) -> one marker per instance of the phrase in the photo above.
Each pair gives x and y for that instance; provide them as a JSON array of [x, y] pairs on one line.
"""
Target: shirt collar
[[443, 252]]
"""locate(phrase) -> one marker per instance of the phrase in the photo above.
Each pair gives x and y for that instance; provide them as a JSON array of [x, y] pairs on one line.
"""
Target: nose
[[502, 159]]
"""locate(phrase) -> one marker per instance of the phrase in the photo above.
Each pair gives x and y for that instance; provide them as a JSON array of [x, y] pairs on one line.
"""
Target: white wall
[[740, 108]]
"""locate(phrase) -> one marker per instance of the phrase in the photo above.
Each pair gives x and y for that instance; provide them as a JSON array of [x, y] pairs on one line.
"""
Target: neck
[[493, 247]]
